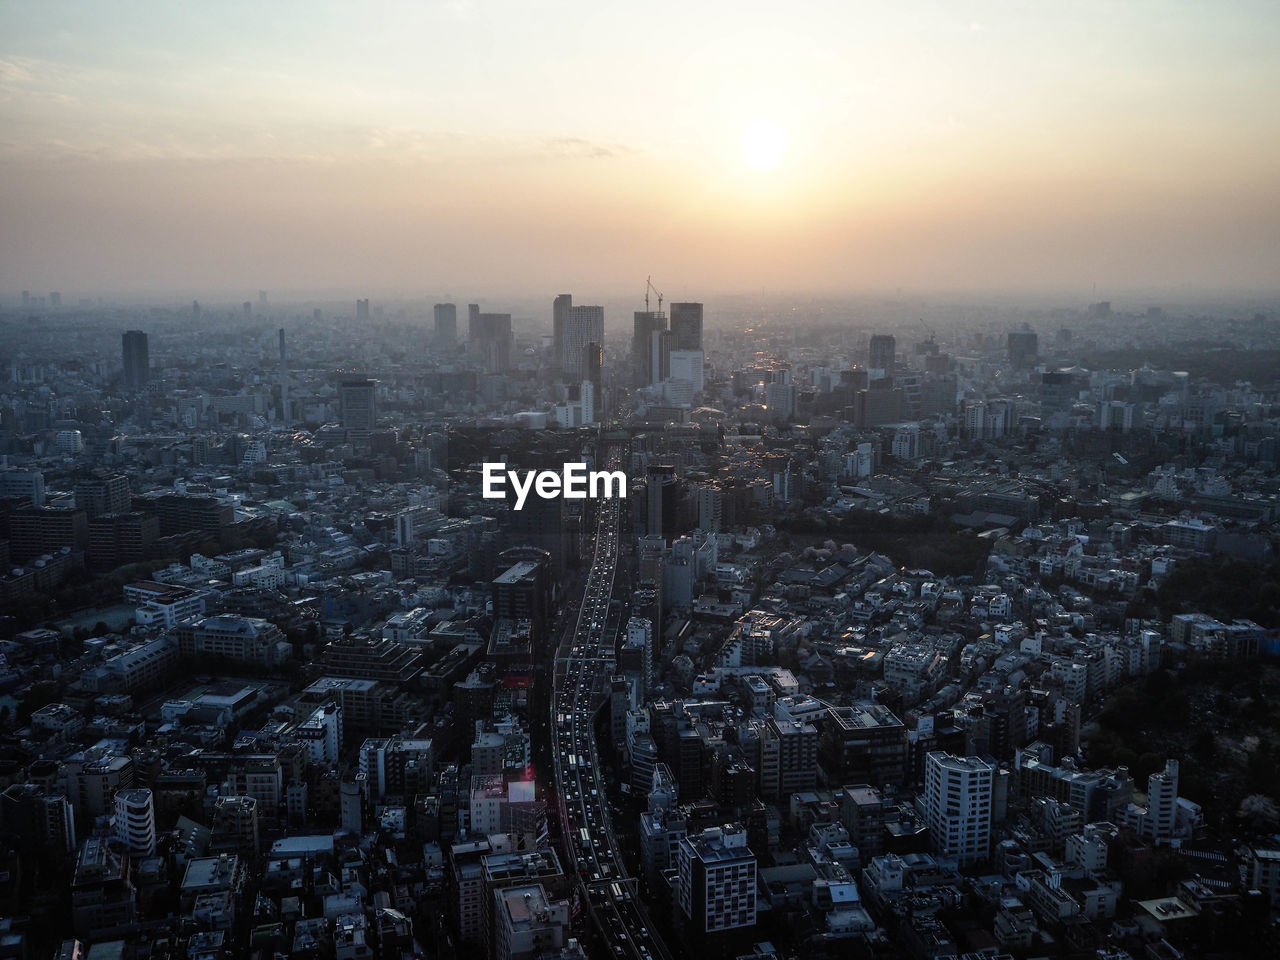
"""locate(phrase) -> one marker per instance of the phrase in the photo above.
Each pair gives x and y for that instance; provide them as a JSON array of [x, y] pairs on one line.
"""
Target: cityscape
[[873, 554]]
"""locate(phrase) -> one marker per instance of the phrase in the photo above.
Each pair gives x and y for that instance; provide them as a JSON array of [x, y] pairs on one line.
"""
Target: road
[[585, 661]]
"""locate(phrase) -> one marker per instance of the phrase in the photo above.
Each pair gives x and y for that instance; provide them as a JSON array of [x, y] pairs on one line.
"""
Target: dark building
[[661, 500], [36, 531], [358, 401], [446, 322], [686, 326], [523, 592], [362, 309], [137, 361], [593, 368], [103, 495], [864, 743], [119, 538], [646, 325], [559, 317], [181, 512], [1024, 348], [490, 339], [883, 351]]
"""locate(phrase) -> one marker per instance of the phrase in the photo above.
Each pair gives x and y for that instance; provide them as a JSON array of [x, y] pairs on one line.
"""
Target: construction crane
[[648, 285]]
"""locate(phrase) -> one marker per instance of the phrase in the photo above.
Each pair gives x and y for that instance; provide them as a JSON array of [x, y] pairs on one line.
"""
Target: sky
[[483, 147]]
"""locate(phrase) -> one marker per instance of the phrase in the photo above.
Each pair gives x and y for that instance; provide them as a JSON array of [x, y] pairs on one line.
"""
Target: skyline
[[495, 148]]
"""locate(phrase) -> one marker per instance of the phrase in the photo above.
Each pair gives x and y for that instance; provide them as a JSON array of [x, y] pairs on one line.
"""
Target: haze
[[484, 147]]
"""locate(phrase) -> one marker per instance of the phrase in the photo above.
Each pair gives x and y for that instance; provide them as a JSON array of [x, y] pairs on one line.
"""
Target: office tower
[[559, 317], [55, 299], [262, 299], [593, 366], [646, 324], [1024, 348], [446, 323], [135, 822], [101, 495], [660, 356], [489, 339], [359, 407], [958, 802], [523, 592], [195, 309], [883, 350], [362, 309], [284, 380], [716, 879], [660, 500], [26, 298], [247, 308], [582, 325], [686, 326], [137, 363]]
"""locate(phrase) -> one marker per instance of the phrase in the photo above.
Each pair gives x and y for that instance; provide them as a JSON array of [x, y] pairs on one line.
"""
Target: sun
[[763, 145]]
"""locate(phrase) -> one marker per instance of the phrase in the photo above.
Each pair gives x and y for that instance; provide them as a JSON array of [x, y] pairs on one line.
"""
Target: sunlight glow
[[763, 145]]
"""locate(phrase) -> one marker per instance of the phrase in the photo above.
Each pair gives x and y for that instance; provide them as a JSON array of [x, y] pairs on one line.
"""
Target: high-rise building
[[646, 325], [1162, 804], [137, 362], [660, 355], [593, 366], [446, 322], [581, 325], [686, 326], [362, 309], [559, 317], [135, 821], [716, 879], [959, 795], [284, 379], [661, 504], [1024, 348], [489, 338], [358, 402], [883, 350]]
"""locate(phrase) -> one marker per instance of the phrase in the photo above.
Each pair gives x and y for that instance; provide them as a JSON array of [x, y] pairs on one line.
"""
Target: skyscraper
[[358, 407], [646, 324], [582, 325], [686, 326], [959, 794], [446, 322], [362, 309], [559, 317], [883, 349], [593, 365], [661, 502], [137, 361], [489, 337]]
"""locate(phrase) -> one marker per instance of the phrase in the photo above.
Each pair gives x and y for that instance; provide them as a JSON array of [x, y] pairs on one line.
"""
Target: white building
[[135, 821], [322, 734], [958, 803], [716, 879]]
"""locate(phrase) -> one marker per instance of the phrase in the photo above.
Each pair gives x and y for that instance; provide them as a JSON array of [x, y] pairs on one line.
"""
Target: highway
[[584, 663]]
